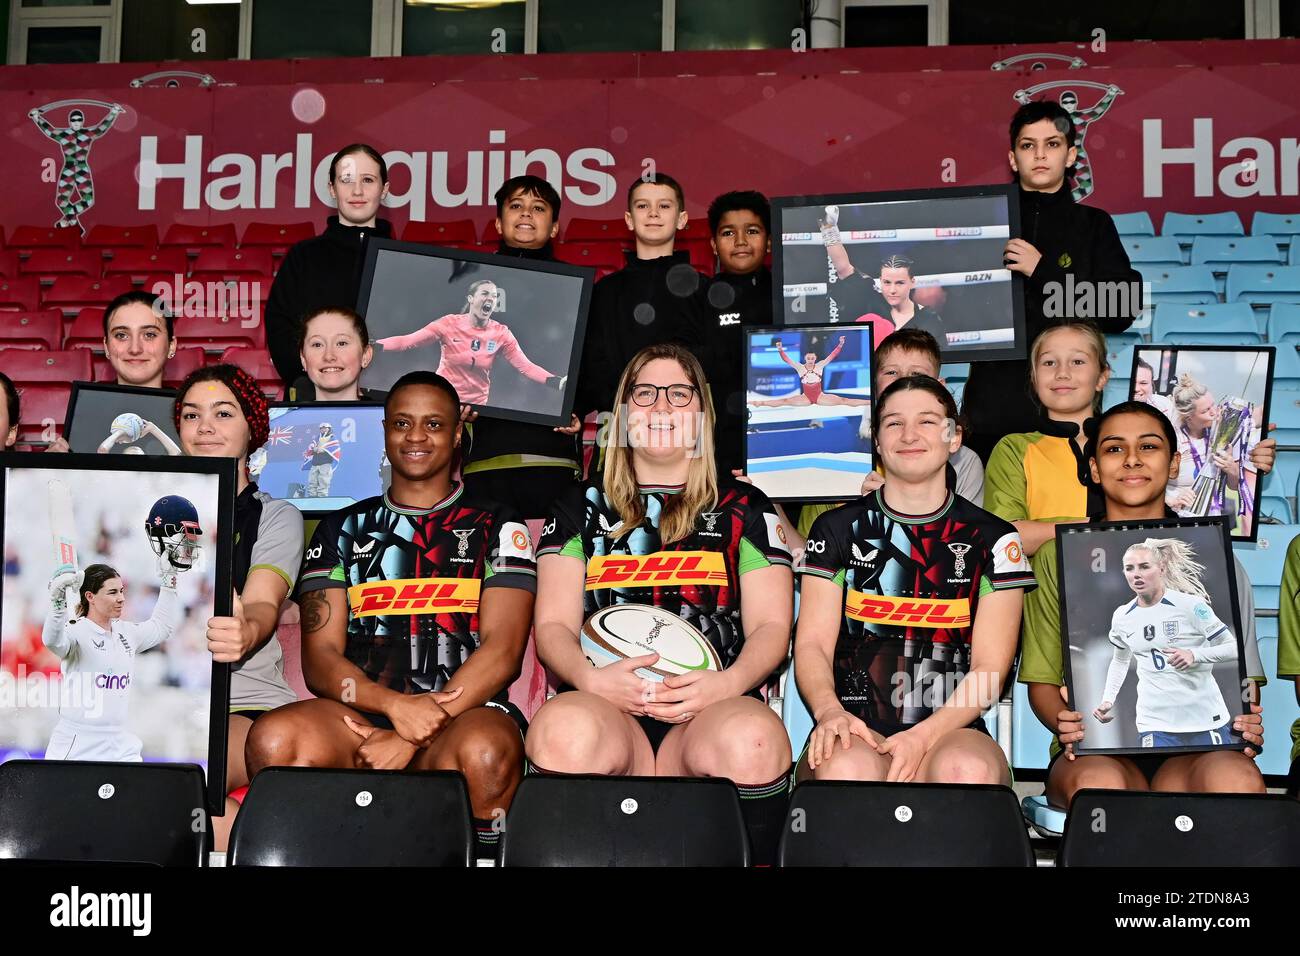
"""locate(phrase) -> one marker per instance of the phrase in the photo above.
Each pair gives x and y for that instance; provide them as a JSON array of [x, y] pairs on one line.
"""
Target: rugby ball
[[633, 630]]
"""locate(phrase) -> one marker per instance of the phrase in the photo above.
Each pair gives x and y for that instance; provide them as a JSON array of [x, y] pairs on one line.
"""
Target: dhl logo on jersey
[[662, 567], [415, 596], [907, 611]]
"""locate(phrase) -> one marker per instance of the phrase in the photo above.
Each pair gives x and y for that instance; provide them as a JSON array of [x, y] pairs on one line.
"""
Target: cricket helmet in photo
[[173, 529]]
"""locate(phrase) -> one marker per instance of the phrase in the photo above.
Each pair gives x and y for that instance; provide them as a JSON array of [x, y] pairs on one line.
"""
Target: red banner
[[1189, 127]]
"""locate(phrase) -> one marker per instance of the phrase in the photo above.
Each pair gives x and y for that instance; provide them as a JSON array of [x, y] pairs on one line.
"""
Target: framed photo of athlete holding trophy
[[1158, 598], [506, 332], [113, 565], [929, 259]]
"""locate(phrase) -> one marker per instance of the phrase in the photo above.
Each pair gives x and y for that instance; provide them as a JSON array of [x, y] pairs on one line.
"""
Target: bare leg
[[577, 732]]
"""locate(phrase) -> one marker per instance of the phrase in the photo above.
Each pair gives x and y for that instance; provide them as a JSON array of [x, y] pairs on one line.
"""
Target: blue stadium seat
[[1193, 285], [1278, 489], [1116, 391], [1286, 370], [1222, 252], [1263, 562], [1030, 740], [1282, 225], [1284, 323], [1279, 705], [1134, 224], [1285, 413], [954, 372], [1263, 285], [1215, 324], [1046, 819], [1186, 225], [1153, 250], [1294, 259]]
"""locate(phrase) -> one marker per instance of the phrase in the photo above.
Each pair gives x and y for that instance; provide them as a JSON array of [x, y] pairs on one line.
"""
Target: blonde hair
[[1177, 560], [474, 287], [1186, 394], [680, 511], [1095, 339]]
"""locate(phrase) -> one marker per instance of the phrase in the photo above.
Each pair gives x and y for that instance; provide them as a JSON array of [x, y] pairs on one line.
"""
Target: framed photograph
[[1217, 397], [808, 410], [928, 258], [99, 660], [1158, 598], [121, 420], [322, 456], [506, 332]]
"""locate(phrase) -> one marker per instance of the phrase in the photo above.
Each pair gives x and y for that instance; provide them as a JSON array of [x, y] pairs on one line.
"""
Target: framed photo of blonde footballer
[[1151, 635]]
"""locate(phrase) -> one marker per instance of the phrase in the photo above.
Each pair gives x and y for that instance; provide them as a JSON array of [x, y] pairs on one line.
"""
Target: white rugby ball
[[633, 630]]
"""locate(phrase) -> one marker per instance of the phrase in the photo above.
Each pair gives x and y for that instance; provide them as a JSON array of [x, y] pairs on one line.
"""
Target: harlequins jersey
[[414, 580], [911, 588], [697, 577]]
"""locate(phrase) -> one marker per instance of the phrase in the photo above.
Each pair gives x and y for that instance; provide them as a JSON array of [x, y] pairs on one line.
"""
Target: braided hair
[[246, 391]]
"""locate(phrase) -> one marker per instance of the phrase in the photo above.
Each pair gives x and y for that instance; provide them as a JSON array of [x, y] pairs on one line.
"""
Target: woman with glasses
[[812, 374], [659, 500]]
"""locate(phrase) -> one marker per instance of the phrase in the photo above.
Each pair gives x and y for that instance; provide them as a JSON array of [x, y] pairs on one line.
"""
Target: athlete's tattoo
[[315, 609]]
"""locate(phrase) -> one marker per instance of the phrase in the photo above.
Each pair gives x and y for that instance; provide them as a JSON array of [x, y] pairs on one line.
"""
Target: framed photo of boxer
[[113, 565], [322, 456], [506, 332], [1158, 598], [928, 259], [808, 411], [121, 420], [1217, 398]]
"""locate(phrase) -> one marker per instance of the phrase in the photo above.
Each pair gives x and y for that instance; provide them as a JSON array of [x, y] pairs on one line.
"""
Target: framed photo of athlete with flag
[[322, 456], [927, 259], [1158, 598], [113, 566], [506, 332]]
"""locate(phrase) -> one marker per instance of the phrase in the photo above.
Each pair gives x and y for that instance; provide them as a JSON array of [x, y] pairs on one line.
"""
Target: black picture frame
[[372, 429], [1164, 360], [218, 570], [754, 439], [1089, 619], [92, 403], [789, 230], [398, 311]]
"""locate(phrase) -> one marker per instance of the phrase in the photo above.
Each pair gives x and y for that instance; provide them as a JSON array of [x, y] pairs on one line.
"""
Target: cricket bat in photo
[[61, 527]]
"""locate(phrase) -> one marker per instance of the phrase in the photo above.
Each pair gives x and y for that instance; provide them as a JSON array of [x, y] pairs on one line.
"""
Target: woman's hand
[[683, 696], [837, 724]]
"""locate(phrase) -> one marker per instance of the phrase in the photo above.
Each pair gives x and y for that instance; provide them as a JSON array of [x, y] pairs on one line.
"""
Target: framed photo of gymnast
[[113, 565], [121, 420], [1158, 598], [928, 259], [506, 332], [322, 456], [808, 411], [1217, 397]]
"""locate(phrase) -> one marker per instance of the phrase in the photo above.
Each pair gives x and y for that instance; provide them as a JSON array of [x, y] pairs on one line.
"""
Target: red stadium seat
[[140, 263], [73, 293], [278, 237], [32, 330], [181, 364], [257, 363], [489, 233], [597, 230], [26, 367], [9, 264], [695, 229], [602, 256], [110, 239], [49, 264], [194, 238], [701, 252], [86, 331], [225, 263], [41, 412], [22, 294], [27, 238], [102, 368], [216, 333], [458, 234]]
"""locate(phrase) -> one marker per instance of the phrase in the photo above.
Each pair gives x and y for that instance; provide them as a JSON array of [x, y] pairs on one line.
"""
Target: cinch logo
[[662, 567], [415, 596], [112, 681], [917, 612]]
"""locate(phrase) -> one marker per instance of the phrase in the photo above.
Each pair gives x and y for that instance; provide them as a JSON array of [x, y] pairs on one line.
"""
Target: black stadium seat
[[839, 823], [301, 816], [624, 821], [67, 811], [1123, 828]]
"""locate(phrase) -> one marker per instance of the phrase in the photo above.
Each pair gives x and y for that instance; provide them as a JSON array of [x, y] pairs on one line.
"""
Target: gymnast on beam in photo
[[811, 375]]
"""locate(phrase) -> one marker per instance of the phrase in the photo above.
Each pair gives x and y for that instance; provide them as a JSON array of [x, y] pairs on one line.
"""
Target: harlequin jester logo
[[462, 538], [959, 552], [74, 193]]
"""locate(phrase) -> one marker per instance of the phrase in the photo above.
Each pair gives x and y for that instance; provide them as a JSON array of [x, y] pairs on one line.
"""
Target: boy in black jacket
[[1058, 238]]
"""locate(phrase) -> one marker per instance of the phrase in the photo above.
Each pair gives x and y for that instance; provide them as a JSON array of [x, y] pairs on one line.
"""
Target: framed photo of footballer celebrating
[[1217, 397], [121, 420], [808, 411], [1158, 598], [506, 332], [322, 456], [112, 567], [927, 259]]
